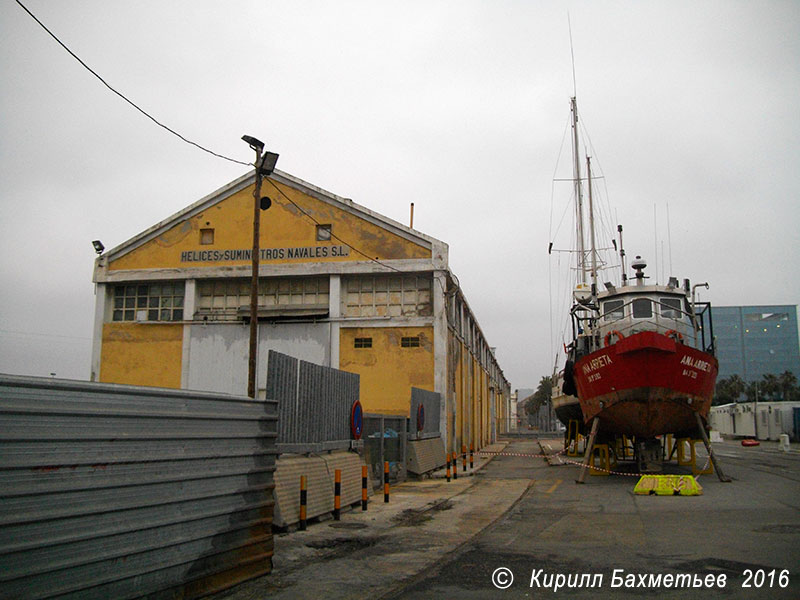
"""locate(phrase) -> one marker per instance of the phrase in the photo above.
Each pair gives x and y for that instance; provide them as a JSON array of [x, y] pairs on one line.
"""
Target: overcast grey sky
[[459, 107]]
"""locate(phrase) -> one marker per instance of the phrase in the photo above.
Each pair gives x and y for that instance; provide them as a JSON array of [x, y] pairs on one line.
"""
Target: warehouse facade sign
[[297, 253]]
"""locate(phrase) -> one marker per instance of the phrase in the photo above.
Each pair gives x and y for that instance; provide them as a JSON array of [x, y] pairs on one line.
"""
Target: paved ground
[[370, 554], [438, 540], [559, 527]]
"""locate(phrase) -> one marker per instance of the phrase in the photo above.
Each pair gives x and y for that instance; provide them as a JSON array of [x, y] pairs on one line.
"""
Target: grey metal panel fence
[[431, 403], [111, 491], [282, 373], [314, 403]]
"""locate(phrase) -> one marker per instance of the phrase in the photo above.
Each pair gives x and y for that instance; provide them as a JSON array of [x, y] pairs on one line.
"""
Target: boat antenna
[[655, 238], [669, 242], [572, 53], [622, 257]]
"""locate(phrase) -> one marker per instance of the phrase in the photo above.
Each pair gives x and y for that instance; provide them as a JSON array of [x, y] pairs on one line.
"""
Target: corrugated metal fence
[[111, 491], [314, 403], [430, 403]]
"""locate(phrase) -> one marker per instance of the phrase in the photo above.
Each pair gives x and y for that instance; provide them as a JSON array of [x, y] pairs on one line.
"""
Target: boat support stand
[[589, 449], [712, 456]]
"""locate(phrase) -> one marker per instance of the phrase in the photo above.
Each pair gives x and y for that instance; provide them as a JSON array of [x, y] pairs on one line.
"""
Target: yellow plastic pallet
[[668, 485]]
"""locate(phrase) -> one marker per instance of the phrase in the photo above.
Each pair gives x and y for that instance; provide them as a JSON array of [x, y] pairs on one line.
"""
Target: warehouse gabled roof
[[366, 236]]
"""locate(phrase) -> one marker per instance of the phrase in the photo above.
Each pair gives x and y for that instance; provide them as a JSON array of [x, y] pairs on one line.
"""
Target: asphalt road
[[745, 534]]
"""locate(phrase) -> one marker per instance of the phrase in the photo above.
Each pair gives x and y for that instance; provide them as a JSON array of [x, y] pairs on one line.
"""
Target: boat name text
[[596, 363], [696, 363]]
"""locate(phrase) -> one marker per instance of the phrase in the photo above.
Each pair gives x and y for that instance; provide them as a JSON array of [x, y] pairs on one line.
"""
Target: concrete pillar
[[189, 303], [100, 300], [335, 312]]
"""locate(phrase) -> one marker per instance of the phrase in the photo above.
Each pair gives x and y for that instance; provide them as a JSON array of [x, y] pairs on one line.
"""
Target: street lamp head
[[254, 143], [98, 246]]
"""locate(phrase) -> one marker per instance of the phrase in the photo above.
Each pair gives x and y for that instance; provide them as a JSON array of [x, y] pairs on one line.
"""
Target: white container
[[784, 443]]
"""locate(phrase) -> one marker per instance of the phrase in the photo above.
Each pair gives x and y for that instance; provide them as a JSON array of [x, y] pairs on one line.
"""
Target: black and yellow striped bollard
[[363, 487], [448, 466], [386, 481], [337, 494], [464, 457], [303, 502], [471, 463], [455, 466]]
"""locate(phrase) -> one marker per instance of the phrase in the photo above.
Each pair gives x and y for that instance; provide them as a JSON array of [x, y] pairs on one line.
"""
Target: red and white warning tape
[[572, 462], [523, 455]]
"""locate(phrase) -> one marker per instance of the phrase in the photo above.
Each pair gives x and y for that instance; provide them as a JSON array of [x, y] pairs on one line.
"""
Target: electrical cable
[[105, 83], [172, 131], [333, 235], [47, 335]]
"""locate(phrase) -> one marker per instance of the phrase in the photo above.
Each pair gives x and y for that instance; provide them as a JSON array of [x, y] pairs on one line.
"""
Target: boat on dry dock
[[641, 357]]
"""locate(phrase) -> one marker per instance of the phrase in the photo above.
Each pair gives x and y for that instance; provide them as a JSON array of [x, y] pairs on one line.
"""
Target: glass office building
[[755, 340]]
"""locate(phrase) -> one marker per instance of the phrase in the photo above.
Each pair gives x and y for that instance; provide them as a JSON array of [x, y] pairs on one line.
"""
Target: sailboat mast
[[591, 227], [578, 192]]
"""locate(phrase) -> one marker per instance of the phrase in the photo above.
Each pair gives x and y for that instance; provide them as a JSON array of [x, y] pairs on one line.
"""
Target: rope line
[[578, 464]]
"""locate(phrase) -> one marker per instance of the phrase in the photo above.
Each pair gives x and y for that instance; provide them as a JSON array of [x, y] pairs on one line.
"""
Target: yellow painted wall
[[142, 354], [470, 383], [388, 371], [282, 226]]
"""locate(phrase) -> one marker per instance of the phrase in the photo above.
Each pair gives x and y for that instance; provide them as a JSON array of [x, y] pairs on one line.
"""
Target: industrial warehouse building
[[339, 286]]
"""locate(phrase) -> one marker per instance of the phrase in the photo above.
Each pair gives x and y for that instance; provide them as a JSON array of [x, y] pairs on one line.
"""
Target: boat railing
[[705, 325], [627, 324]]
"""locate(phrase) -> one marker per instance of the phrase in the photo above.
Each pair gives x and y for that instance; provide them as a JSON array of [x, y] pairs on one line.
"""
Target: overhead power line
[[121, 95], [175, 133]]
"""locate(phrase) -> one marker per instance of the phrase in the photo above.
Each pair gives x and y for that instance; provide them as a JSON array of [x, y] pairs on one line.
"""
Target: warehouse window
[[148, 302], [363, 343], [224, 299], [387, 296], [409, 342], [206, 236]]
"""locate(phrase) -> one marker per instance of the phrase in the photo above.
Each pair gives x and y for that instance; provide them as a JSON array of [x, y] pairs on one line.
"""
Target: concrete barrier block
[[425, 455]]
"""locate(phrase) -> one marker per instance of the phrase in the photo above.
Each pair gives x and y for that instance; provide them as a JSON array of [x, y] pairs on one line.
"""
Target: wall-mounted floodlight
[[268, 162], [98, 246]]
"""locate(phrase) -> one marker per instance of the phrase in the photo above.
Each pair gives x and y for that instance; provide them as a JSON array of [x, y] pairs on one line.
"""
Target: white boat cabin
[[620, 312]]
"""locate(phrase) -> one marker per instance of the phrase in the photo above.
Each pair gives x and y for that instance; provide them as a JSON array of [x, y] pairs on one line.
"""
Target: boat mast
[[591, 228], [578, 192]]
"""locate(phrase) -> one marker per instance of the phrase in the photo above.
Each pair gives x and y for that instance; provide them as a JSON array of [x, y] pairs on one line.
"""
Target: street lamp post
[[264, 165]]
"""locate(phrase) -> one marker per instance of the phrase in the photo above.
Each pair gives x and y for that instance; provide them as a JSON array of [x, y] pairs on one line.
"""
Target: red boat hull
[[646, 385]]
